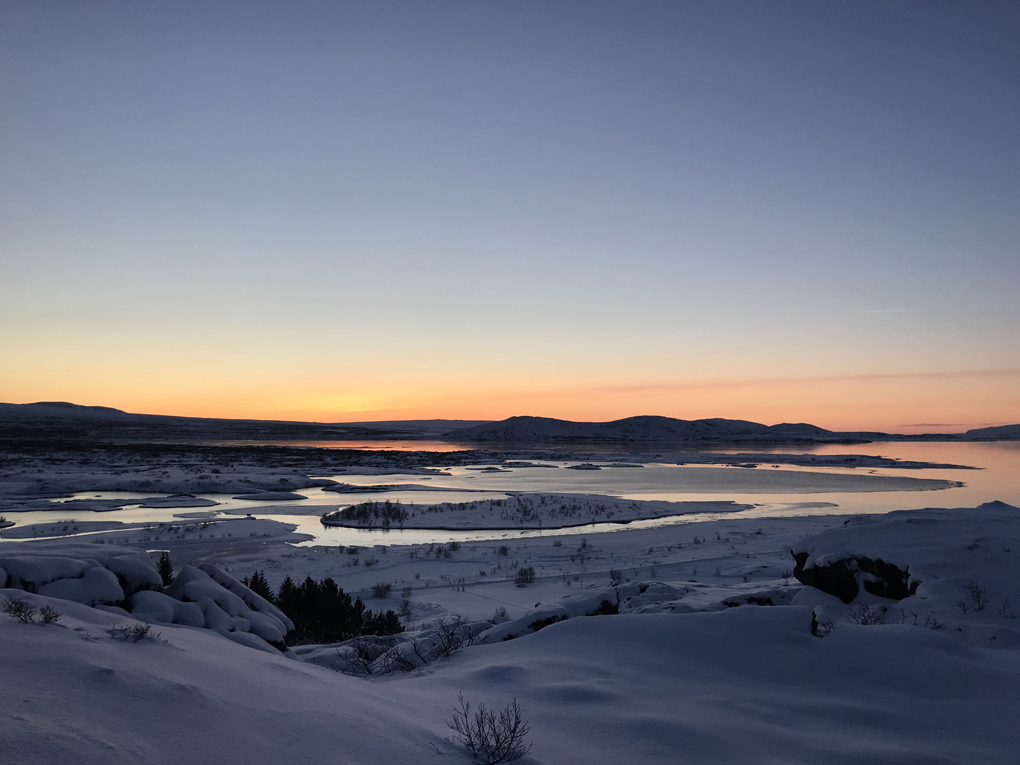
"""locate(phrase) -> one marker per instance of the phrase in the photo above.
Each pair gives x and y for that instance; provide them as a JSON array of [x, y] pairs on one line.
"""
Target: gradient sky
[[362, 211]]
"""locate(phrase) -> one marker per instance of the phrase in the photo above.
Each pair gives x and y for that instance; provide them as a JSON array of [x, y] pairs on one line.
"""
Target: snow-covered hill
[[643, 428], [1004, 432], [746, 685], [62, 420]]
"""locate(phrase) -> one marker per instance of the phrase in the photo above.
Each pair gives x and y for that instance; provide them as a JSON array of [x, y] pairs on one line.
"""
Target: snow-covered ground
[[906, 649], [718, 654]]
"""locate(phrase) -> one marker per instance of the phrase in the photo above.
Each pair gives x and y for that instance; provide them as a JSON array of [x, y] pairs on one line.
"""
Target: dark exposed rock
[[539, 624], [844, 577]]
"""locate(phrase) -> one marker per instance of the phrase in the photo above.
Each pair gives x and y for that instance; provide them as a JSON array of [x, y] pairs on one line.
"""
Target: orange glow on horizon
[[911, 403]]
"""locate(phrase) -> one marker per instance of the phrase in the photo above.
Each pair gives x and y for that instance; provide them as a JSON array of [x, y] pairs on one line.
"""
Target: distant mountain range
[[72, 422]]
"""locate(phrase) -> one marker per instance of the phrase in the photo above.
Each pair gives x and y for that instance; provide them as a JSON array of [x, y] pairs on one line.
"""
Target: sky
[[775, 211]]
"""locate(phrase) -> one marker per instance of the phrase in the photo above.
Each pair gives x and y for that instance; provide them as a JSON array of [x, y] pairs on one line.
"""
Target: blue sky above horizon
[[771, 211]]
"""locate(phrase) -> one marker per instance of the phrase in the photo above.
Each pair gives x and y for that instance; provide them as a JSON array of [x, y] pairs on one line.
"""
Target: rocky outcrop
[[844, 577]]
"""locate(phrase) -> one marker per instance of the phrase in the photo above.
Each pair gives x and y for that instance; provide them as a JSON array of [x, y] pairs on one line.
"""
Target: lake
[[785, 491]]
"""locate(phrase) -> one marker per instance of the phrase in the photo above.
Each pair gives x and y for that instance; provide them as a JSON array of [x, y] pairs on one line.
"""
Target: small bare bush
[[615, 577], [381, 589], [930, 622], [976, 596], [866, 616], [134, 632], [49, 614], [495, 738], [20, 609], [405, 601]]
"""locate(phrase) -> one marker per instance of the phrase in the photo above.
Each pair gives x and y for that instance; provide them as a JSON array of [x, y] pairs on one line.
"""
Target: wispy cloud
[[666, 388], [950, 424]]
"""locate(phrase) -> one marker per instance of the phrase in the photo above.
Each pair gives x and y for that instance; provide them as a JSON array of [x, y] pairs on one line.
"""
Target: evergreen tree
[[387, 623], [166, 569], [260, 586], [323, 613], [286, 597]]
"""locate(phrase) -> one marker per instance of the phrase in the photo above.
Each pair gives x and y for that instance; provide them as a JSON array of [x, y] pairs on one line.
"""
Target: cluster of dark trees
[[322, 612], [375, 513]]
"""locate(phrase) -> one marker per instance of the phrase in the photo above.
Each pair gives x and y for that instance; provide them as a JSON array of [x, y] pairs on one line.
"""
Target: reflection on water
[[998, 479]]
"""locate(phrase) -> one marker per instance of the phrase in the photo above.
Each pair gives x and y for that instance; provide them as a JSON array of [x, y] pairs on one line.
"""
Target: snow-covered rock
[[136, 572], [198, 597], [215, 617], [237, 608], [157, 607], [96, 586], [193, 584], [254, 601], [30, 572], [154, 606]]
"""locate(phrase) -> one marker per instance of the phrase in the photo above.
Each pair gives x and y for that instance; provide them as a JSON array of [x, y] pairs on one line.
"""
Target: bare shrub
[[930, 621], [49, 614], [392, 660], [20, 609], [976, 595], [496, 738], [381, 589], [358, 659], [499, 613], [405, 601], [451, 634], [134, 632], [615, 577], [866, 616]]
